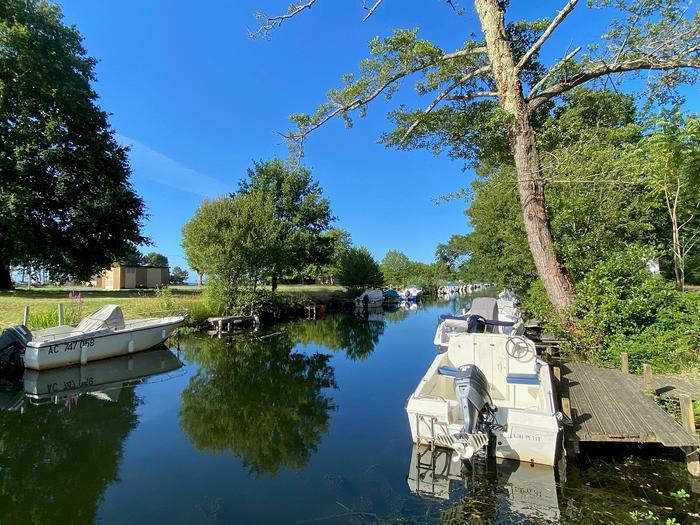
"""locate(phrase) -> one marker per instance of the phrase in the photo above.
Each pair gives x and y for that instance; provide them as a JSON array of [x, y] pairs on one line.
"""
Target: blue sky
[[198, 101]]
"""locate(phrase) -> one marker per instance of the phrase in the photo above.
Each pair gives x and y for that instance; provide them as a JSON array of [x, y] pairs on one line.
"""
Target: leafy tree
[[358, 268], [302, 213], [339, 242], [68, 205], [132, 257], [596, 200], [155, 259], [452, 254], [490, 93], [178, 275], [394, 266], [233, 240], [670, 157]]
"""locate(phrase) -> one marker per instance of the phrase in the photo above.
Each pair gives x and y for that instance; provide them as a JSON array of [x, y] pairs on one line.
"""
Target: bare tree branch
[[638, 64], [553, 69], [372, 9], [464, 78], [269, 23], [570, 4], [464, 52]]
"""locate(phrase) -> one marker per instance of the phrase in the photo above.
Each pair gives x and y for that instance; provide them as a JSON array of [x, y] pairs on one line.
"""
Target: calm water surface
[[299, 423]]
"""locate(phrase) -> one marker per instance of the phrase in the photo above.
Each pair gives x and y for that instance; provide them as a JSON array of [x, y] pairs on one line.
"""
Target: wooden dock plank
[[609, 405]]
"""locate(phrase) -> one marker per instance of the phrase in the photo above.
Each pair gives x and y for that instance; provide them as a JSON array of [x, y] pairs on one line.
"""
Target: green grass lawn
[[43, 302]]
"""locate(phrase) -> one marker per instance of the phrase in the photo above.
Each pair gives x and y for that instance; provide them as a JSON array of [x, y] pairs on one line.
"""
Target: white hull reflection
[[523, 493], [102, 379]]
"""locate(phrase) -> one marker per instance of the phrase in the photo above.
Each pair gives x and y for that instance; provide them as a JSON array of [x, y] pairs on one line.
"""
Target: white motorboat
[[485, 315], [370, 297], [101, 335], [412, 293], [488, 391]]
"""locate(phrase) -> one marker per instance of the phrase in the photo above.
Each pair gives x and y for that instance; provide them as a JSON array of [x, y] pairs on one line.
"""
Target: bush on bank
[[621, 307]]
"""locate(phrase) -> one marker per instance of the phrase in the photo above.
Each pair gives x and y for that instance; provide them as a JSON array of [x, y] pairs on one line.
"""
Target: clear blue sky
[[198, 101]]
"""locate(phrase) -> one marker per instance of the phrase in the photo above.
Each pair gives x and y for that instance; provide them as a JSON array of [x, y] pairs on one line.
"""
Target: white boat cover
[[109, 317]]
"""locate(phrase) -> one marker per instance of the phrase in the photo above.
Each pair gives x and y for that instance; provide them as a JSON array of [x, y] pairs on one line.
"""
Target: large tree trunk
[[523, 145], [5, 277]]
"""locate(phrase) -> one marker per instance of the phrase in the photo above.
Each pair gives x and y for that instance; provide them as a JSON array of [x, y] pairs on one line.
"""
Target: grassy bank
[[43, 302]]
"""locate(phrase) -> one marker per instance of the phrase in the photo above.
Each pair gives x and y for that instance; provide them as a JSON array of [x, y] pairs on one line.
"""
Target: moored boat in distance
[[391, 296], [412, 293], [101, 335], [370, 297]]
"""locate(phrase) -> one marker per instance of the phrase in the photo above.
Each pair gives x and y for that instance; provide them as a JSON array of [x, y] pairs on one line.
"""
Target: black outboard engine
[[472, 391], [13, 341]]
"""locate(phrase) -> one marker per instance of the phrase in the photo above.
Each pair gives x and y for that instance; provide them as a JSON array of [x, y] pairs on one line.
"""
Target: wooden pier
[[612, 406]]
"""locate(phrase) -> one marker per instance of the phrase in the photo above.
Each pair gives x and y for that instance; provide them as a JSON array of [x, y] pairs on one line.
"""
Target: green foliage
[[358, 268], [623, 308], [232, 240], [669, 161], [155, 259], [395, 267], [178, 275], [64, 180], [301, 213], [339, 241]]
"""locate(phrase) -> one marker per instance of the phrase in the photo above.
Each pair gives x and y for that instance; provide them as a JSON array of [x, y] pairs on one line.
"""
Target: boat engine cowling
[[13, 341], [472, 390]]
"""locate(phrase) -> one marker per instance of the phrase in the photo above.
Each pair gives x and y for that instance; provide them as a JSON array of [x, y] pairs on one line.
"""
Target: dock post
[[688, 418], [648, 379], [60, 314], [625, 362], [25, 320]]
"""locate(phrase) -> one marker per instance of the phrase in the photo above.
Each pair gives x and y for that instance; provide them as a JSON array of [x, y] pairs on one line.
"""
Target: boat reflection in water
[[102, 379], [492, 491]]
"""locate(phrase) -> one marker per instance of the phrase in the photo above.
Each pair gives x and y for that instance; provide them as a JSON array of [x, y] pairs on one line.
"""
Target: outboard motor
[[472, 392], [13, 341], [471, 389]]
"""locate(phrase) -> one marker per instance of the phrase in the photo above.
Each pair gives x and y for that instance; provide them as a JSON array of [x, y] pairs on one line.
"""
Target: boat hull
[[81, 349]]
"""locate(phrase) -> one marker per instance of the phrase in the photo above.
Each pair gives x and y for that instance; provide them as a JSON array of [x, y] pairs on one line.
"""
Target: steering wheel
[[517, 348]]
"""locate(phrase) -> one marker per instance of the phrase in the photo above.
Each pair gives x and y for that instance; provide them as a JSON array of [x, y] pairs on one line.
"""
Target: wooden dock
[[607, 405]]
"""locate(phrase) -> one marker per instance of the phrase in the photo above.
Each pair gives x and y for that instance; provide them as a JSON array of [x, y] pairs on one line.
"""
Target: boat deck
[[610, 406]]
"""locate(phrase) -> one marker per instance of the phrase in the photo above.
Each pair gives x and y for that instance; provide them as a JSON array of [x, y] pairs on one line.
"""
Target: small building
[[128, 277]]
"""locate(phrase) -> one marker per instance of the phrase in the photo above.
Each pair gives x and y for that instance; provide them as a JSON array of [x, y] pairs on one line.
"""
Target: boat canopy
[[109, 317]]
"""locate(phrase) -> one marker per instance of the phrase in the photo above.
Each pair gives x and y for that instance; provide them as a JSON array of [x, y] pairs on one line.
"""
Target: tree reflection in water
[[356, 335], [259, 399], [57, 460]]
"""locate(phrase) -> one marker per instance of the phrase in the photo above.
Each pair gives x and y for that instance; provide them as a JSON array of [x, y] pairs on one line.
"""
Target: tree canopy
[[358, 268], [301, 213], [68, 205], [155, 259]]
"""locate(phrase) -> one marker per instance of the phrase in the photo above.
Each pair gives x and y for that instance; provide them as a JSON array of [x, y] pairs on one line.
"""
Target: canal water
[[298, 423]]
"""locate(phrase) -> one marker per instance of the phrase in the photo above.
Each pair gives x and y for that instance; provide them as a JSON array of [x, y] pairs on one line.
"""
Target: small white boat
[[488, 391], [370, 297], [412, 293], [102, 334], [485, 315]]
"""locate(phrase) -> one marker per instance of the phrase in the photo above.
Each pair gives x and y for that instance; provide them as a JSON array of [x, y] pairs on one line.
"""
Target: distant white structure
[[653, 266]]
